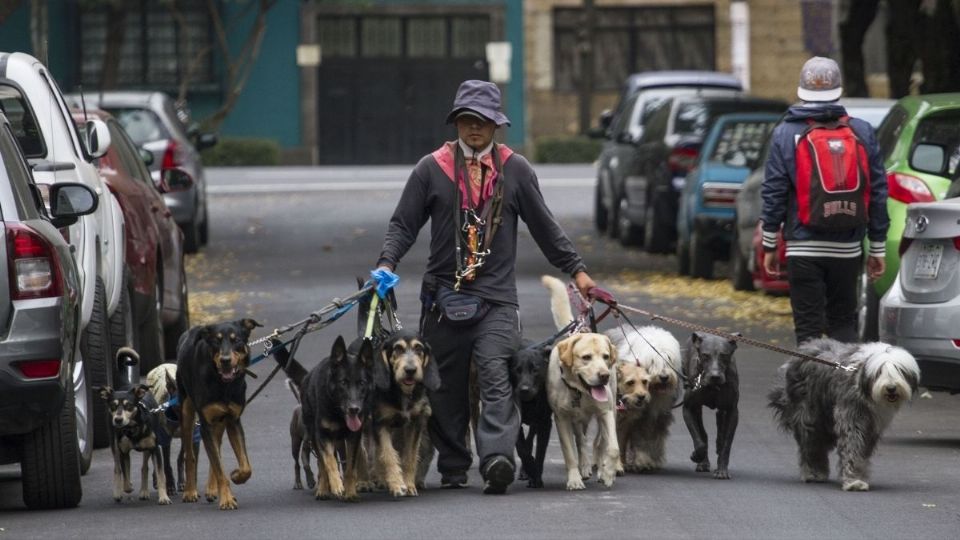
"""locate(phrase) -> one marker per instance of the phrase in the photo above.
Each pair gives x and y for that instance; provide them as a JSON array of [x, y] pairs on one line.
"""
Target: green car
[[932, 119]]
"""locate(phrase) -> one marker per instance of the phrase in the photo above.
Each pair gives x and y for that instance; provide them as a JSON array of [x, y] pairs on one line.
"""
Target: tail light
[[682, 159], [720, 195], [908, 189], [171, 156], [39, 369], [956, 343], [34, 269]]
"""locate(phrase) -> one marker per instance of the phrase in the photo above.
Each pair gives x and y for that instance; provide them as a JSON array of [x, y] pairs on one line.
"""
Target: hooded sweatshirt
[[779, 191]]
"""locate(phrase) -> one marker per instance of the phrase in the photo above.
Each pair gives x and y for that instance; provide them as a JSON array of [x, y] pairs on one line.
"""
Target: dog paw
[[298, 485], [421, 484], [721, 474], [164, 500], [240, 476], [128, 488], [631, 468], [311, 483], [606, 480], [698, 455], [321, 495], [210, 496], [191, 496], [586, 472], [522, 475], [855, 485], [117, 499], [575, 485], [535, 483], [412, 490], [229, 503], [813, 477], [703, 466], [398, 492], [365, 487], [144, 496]]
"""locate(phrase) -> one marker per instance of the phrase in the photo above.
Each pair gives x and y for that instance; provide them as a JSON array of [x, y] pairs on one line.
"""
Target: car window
[[889, 131], [129, 153], [18, 175], [871, 115], [696, 117], [943, 129], [74, 135], [620, 122], [22, 121], [656, 127], [142, 125], [740, 143], [176, 119]]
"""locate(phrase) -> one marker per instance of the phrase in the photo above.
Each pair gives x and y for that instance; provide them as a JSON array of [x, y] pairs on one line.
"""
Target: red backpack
[[833, 177]]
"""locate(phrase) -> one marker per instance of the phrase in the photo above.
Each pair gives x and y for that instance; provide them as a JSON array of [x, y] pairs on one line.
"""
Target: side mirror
[[929, 158], [606, 118], [206, 140], [69, 201], [98, 137], [173, 180], [193, 129], [146, 156]]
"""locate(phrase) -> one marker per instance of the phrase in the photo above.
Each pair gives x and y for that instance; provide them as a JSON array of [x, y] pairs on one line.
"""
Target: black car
[[665, 153]]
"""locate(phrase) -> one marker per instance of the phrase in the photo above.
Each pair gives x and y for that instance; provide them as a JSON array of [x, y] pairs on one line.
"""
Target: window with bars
[[156, 50], [404, 36], [631, 40]]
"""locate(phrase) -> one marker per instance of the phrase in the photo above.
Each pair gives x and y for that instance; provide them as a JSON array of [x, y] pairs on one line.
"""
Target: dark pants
[[489, 344], [823, 296]]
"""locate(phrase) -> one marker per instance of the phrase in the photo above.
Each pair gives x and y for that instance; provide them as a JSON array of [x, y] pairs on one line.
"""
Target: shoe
[[453, 480], [497, 475]]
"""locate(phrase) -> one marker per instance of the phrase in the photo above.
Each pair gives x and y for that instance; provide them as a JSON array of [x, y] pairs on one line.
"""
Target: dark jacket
[[429, 194], [779, 189]]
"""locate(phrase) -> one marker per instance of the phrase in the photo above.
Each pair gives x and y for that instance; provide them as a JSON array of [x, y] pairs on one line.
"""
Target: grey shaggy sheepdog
[[825, 408]]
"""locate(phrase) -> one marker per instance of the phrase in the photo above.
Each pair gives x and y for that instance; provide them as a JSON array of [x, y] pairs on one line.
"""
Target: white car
[[57, 152]]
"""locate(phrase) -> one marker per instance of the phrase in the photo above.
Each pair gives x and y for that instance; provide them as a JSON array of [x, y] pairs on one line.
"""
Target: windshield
[[696, 117], [141, 125], [740, 143]]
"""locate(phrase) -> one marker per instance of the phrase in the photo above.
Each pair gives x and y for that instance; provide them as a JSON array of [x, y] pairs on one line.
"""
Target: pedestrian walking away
[[473, 191], [824, 183]]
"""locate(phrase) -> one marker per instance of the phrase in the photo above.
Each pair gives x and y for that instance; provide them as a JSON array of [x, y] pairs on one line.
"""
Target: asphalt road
[[286, 241]]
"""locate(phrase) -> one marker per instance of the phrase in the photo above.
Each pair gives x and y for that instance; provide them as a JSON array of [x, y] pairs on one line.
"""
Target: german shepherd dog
[[135, 423], [403, 375], [211, 367], [337, 396]]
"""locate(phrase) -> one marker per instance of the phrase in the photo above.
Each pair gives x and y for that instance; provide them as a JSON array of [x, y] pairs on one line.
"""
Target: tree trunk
[[39, 29], [116, 32], [585, 49]]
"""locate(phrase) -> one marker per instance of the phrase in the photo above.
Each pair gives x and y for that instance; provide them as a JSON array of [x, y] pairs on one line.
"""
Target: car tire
[[205, 225], [701, 259], [191, 236], [171, 334], [613, 218], [95, 351], [740, 276], [868, 309], [599, 210], [628, 233], [151, 347], [655, 229], [85, 412], [50, 465]]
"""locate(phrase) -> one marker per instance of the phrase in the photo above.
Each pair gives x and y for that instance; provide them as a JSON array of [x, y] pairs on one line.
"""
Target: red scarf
[[444, 156]]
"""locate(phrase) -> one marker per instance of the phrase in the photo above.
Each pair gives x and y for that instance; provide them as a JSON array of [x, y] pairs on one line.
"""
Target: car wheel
[[95, 350], [191, 236], [171, 334], [613, 218], [205, 226], [151, 331], [85, 411], [654, 229], [867, 311], [51, 464], [683, 256], [599, 210], [629, 234], [739, 267], [701, 259]]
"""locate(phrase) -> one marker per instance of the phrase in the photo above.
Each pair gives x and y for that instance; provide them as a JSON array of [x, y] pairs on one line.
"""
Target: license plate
[[928, 262]]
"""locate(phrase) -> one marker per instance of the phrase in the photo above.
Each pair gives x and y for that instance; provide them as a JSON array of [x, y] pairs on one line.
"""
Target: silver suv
[[46, 420], [153, 122]]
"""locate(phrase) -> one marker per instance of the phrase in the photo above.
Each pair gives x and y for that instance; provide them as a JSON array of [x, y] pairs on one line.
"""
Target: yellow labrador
[[581, 386]]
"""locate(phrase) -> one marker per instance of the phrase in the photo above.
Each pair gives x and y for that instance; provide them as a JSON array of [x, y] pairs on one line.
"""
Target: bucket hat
[[820, 80], [479, 98]]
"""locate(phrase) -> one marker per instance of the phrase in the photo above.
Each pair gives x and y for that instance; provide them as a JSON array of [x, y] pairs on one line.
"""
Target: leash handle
[[371, 316]]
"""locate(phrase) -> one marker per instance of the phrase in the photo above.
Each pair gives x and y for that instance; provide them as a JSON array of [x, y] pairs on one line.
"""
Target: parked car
[[921, 310], [152, 121], [746, 255], [622, 128], [933, 119], [157, 282], [58, 152], [666, 152], [45, 384], [706, 215]]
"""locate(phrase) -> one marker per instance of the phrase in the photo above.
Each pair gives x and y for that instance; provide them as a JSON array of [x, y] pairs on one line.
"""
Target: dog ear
[[431, 372], [366, 353], [545, 353], [613, 351], [338, 353], [696, 339], [141, 390], [733, 342], [249, 324], [104, 392], [565, 349], [171, 381]]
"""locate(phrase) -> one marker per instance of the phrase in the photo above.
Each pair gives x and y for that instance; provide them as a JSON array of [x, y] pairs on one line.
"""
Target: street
[[284, 242]]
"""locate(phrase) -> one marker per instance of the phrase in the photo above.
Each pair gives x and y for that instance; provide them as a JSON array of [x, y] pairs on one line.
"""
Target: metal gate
[[386, 83]]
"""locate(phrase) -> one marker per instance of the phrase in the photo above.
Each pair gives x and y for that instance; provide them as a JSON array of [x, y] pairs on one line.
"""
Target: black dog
[[338, 396], [712, 381], [528, 367], [211, 367], [135, 421]]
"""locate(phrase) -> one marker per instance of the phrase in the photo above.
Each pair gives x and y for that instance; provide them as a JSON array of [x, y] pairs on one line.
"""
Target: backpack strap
[[494, 208]]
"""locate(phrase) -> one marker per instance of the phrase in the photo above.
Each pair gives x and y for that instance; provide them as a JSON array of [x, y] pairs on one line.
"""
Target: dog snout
[[118, 421], [891, 388], [664, 378], [410, 370], [353, 410], [604, 378], [715, 378]]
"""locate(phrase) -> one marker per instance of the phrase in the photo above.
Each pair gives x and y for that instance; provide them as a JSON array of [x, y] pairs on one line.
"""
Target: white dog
[[581, 386]]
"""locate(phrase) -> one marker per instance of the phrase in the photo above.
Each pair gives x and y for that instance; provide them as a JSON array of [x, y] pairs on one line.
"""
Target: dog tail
[[559, 301], [157, 380], [293, 369], [294, 389], [778, 401]]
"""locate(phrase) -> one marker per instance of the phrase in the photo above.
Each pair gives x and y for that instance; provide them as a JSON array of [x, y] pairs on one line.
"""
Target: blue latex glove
[[385, 280]]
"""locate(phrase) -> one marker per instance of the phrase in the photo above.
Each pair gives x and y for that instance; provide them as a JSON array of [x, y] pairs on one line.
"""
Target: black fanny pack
[[460, 309]]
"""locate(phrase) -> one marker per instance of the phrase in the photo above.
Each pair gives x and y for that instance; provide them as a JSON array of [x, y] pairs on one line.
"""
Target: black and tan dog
[[712, 381], [211, 367], [135, 421], [528, 369], [404, 375]]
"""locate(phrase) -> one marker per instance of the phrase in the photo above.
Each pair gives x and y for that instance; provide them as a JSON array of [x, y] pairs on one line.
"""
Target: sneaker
[[497, 475], [453, 480]]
